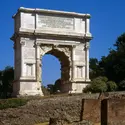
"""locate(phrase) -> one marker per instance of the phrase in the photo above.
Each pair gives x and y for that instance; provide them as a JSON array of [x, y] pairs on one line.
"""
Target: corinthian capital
[[22, 43], [37, 43], [87, 45], [73, 46]]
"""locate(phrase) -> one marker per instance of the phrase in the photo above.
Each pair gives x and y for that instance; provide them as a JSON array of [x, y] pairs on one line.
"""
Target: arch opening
[[50, 69], [64, 67]]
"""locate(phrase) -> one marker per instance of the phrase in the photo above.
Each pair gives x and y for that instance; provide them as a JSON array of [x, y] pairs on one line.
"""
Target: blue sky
[[107, 22]]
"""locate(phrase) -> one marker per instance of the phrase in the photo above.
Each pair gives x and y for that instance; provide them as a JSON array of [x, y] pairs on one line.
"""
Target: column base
[[26, 88], [88, 80], [74, 87]]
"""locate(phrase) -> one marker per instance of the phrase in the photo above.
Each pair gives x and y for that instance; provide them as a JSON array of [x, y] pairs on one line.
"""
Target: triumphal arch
[[66, 35]]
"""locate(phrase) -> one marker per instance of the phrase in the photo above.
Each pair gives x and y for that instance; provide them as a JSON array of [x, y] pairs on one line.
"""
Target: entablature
[[42, 22]]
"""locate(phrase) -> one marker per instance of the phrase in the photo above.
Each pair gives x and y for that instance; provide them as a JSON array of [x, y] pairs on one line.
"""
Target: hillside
[[39, 110]]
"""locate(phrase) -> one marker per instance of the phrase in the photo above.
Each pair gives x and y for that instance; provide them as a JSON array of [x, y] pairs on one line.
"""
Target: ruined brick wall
[[91, 110], [113, 112]]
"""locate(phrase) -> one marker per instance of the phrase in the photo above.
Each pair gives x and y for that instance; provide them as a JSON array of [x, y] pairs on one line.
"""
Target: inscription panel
[[55, 22]]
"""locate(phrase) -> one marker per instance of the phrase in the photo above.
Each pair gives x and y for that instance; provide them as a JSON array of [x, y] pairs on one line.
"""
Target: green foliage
[[112, 86], [101, 84], [6, 79], [102, 78], [57, 85], [93, 63], [114, 63], [54, 88], [95, 69], [122, 85], [98, 85], [112, 66], [120, 43], [45, 91], [87, 89], [50, 88], [12, 103]]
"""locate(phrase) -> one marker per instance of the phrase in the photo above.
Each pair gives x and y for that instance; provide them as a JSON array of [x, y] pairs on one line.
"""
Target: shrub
[[102, 78], [45, 91], [12, 103], [112, 86], [122, 85], [87, 89], [98, 85]]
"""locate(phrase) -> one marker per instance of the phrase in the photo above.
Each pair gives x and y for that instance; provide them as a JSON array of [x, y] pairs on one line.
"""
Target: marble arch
[[65, 35]]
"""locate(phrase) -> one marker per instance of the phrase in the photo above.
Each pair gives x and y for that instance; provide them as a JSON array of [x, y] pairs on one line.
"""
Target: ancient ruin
[[66, 35]]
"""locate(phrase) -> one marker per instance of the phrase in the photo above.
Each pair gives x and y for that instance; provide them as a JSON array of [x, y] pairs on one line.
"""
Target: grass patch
[[12, 103]]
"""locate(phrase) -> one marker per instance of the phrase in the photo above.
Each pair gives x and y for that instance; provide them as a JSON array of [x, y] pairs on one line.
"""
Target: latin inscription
[[55, 22]]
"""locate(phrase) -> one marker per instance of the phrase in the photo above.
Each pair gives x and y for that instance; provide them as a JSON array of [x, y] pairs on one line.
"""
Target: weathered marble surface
[[65, 35]]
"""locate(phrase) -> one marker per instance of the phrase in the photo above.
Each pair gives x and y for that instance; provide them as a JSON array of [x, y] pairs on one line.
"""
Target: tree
[[97, 85], [1, 83], [120, 43], [93, 63], [56, 87], [112, 86], [6, 77], [50, 88], [114, 63], [95, 69], [102, 78], [87, 89], [45, 91], [122, 85]]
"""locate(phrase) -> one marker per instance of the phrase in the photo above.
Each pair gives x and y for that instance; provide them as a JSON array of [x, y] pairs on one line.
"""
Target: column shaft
[[73, 65], [22, 43], [87, 61], [38, 62]]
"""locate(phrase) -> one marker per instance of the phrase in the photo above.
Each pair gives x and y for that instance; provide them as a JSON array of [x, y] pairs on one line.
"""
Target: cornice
[[47, 11], [52, 36]]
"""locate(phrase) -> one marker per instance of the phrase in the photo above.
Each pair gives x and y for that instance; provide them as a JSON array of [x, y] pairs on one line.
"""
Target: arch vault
[[65, 35]]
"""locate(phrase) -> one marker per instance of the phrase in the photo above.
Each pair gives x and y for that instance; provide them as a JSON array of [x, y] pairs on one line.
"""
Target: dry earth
[[42, 109]]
